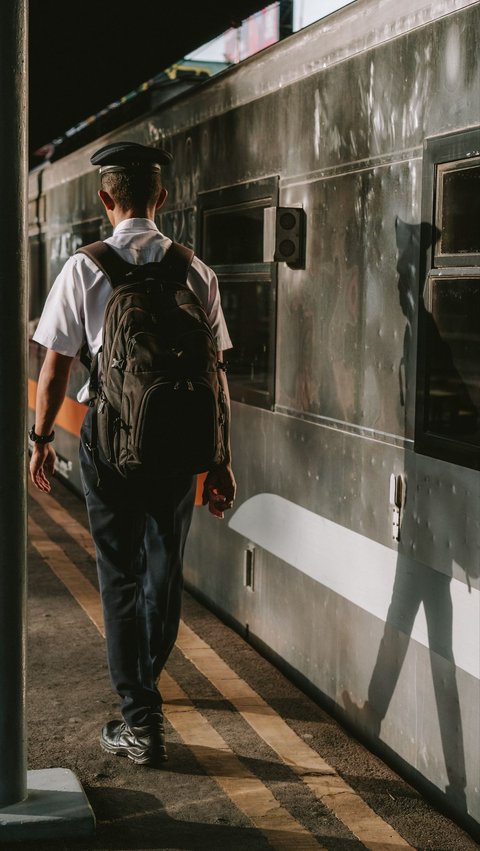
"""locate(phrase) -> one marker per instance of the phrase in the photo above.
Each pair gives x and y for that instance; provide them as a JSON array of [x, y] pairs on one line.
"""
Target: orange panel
[[200, 480], [71, 414]]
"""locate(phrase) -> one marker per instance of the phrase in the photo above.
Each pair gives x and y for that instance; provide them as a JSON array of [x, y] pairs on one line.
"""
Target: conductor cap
[[127, 156]]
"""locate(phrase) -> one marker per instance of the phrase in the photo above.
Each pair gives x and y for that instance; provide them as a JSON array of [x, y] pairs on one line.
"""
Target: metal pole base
[[56, 808]]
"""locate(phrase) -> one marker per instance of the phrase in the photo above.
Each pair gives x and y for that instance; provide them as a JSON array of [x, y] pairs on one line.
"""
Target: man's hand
[[42, 465], [219, 490], [51, 390]]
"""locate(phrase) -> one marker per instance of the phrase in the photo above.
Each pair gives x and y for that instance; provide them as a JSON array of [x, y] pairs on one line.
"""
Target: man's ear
[[161, 198], [106, 199]]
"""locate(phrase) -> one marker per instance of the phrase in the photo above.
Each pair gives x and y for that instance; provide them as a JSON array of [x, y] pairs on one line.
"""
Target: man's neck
[[124, 215]]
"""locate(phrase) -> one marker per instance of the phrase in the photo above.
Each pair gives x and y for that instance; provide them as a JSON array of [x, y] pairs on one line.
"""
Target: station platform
[[254, 763]]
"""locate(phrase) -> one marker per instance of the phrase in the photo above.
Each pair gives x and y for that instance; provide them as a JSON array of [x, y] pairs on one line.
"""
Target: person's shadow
[[415, 583]]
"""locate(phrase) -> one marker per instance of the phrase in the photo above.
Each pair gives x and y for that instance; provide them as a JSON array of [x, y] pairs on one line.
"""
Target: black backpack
[[160, 410]]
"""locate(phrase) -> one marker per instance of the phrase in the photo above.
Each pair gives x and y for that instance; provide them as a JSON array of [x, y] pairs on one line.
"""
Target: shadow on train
[[416, 584]]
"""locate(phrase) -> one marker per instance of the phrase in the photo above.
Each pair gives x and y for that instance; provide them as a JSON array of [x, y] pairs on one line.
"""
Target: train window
[[231, 239], [247, 312], [37, 275], [453, 375], [85, 232], [458, 213], [243, 220], [448, 391]]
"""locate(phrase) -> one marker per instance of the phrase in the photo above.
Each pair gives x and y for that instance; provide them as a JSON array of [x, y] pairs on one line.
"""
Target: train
[[332, 182]]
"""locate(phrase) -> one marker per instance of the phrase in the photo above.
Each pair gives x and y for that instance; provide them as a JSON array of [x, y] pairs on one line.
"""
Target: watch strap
[[40, 438]]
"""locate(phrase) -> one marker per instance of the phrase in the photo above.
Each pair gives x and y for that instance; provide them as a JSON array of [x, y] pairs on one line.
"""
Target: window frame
[[441, 154], [261, 192], [457, 259]]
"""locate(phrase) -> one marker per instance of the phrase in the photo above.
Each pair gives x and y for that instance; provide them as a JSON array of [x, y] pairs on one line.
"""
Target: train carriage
[[332, 182]]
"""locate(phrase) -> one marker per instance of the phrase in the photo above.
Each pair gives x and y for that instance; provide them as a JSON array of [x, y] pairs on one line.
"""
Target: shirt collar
[[135, 226]]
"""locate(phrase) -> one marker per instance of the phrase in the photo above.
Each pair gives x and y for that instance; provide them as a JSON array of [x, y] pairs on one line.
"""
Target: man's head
[[131, 182]]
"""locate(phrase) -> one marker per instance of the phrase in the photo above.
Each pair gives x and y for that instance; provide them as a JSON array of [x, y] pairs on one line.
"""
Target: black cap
[[120, 156]]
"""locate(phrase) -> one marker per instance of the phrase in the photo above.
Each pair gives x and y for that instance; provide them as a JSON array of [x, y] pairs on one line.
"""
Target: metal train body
[[352, 555]]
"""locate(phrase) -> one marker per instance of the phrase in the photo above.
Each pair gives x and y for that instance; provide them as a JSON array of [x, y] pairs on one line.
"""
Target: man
[[139, 528]]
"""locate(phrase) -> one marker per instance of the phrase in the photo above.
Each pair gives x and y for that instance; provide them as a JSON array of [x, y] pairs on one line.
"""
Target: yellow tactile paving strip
[[320, 777], [242, 787], [79, 586], [63, 519]]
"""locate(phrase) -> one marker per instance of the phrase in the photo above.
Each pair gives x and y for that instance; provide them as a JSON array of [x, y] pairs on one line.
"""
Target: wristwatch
[[40, 438]]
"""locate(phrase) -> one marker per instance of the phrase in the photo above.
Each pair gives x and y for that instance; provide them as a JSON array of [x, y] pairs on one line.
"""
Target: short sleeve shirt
[[75, 307]]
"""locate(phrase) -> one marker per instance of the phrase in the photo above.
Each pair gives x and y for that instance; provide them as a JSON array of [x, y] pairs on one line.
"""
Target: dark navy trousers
[[139, 530]]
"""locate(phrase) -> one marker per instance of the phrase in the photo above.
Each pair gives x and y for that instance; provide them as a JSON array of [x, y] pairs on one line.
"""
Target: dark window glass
[[453, 370], [178, 225], [459, 213], [85, 232], [247, 309], [233, 235], [36, 275]]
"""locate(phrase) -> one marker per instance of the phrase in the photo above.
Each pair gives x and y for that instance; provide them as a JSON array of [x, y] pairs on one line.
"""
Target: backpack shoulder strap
[[107, 260], [176, 262]]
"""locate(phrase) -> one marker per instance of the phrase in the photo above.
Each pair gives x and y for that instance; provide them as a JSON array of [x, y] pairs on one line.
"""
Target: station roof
[[84, 55]]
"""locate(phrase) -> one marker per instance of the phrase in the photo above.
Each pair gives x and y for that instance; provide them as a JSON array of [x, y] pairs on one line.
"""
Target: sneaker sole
[[137, 759]]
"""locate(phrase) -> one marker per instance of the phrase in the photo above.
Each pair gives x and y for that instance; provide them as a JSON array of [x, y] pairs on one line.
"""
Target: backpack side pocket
[[108, 431]]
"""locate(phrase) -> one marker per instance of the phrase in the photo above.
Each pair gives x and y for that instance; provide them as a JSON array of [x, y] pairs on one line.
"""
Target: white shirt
[[75, 306]]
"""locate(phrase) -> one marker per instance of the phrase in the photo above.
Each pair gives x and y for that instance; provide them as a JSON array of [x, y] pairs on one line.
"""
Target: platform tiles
[[253, 762]]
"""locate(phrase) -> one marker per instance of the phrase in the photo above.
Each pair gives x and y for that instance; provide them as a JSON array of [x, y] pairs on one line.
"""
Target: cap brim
[[124, 155]]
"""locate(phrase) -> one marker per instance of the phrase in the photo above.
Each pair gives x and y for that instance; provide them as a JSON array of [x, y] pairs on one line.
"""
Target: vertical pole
[[13, 380]]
